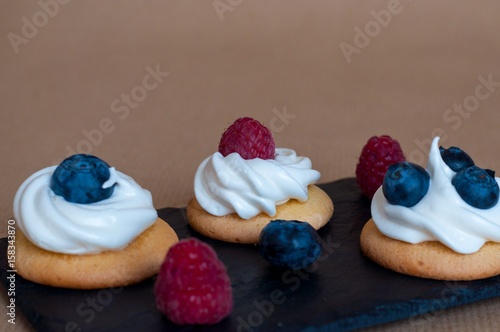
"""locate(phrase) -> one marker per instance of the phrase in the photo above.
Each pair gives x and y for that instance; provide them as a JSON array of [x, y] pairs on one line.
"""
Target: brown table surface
[[149, 86]]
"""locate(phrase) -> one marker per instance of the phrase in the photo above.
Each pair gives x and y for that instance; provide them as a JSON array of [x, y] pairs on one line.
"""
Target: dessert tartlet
[[85, 225], [442, 222], [249, 182]]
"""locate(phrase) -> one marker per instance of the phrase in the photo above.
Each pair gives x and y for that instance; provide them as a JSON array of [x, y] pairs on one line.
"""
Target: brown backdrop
[[149, 86]]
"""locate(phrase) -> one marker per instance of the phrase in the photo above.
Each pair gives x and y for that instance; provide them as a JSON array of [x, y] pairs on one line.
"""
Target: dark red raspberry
[[376, 156], [249, 138], [193, 286]]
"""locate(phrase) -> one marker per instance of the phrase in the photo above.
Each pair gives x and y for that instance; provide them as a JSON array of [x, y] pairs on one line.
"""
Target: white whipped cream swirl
[[52, 223], [441, 215], [231, 184]]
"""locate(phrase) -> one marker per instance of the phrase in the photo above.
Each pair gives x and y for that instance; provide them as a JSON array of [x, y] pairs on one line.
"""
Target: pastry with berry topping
[[442, 222], [249, 182], [84, 225]]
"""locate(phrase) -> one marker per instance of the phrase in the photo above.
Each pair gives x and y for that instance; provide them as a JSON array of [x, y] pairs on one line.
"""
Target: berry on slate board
[[289, 243], [375, 158], [405, 184], [249, 138], [80, 178], [193, 286], [455, 158], [477, 187]]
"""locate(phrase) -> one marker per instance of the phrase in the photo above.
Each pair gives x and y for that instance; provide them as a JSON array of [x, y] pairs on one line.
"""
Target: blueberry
[[289, 243], [455, 158], [79, 179], [405, 184], [477, 187]]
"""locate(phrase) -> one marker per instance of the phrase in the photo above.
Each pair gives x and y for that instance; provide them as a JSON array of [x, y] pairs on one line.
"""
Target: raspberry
[[193, 286], [249, 138], [376, 156]]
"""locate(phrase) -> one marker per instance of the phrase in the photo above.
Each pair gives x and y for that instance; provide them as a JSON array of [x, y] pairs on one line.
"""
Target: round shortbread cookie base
[[140, 260], [317, 211], [430, 259]]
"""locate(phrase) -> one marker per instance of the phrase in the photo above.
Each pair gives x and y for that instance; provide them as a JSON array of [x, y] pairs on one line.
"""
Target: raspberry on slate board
[[193, 286]]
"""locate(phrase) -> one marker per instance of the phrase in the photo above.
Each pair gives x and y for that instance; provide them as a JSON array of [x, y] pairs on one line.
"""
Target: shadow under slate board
[[342, 291]]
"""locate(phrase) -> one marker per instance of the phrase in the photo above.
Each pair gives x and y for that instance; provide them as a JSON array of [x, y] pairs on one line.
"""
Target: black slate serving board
[[342, 291]]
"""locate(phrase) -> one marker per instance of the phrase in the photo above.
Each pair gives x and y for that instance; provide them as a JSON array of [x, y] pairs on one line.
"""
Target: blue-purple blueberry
[[289, 243], [477, 187], [79, 179], [405, 184], [456, 158]]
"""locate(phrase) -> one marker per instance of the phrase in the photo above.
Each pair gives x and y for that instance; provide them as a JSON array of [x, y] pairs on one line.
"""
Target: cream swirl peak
[[442, 215], [231, 184], [52, 223]]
